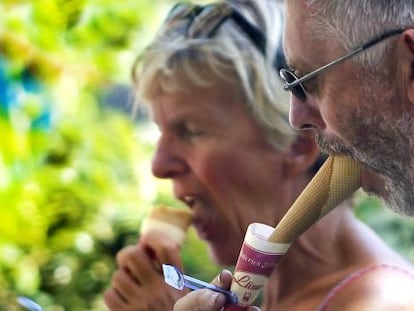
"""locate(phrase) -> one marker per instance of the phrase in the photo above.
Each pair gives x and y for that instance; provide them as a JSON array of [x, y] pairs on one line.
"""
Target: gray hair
[[353, 22], [175, 62]]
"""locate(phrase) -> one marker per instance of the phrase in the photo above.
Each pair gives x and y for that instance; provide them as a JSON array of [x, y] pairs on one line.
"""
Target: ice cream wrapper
[[256, 261]]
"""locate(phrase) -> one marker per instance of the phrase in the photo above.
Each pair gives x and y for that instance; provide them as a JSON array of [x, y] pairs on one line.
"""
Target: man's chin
[[332, 146]]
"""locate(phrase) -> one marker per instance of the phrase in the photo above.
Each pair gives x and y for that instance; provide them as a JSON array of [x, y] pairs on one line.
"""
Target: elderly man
[[351, 75]]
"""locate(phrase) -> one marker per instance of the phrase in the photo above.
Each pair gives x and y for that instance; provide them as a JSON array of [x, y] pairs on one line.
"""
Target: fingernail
[[220, 277]]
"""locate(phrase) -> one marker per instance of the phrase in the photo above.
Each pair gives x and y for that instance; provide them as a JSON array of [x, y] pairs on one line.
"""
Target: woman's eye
[[190, 131], [195, 132]]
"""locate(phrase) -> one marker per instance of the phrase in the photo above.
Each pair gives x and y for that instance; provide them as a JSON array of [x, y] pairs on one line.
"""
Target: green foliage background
[[75, 175]]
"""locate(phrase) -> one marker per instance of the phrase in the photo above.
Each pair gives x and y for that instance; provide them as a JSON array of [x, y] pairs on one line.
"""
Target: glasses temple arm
[[357, 50], [317, 71]]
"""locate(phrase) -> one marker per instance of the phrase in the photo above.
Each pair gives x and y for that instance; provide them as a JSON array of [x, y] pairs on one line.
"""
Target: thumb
[[223, 280], [200, 300]]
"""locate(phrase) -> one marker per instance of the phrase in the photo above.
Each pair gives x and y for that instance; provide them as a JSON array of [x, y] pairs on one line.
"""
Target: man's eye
[[297, 73], [309, 85]]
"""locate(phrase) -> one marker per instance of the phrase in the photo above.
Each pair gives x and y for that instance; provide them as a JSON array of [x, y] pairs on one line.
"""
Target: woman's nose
[[302, 115], [167, 161]]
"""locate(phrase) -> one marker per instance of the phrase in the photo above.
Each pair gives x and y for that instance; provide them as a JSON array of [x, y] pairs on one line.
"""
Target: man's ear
[[303, 154], [407, 56]]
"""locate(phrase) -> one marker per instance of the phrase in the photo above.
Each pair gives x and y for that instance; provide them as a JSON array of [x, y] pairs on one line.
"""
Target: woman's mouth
[[189, 200], [201, 220], [204, 230]]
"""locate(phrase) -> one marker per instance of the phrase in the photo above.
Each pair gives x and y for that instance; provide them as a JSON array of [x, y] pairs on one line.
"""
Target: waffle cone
[[336, 180], [167, 221]]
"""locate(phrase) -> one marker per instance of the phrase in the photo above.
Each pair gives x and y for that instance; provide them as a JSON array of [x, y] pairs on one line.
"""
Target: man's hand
[[208, 300]]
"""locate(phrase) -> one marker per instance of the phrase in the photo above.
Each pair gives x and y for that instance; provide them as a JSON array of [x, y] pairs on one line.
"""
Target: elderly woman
[[210, 82]]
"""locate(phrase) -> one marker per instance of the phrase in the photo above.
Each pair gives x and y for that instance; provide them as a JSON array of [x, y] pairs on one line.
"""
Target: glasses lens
[[297, 90]]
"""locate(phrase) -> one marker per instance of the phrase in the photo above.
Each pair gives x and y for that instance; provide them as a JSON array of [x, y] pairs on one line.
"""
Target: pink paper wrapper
[[256, 261]]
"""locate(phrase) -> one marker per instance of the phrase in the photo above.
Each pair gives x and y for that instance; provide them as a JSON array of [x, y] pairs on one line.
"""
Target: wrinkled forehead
[[305, 46], [188, 75], [180, 70], [295, 32]]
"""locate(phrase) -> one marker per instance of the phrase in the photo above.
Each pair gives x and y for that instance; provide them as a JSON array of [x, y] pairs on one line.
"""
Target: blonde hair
[[174, 62]]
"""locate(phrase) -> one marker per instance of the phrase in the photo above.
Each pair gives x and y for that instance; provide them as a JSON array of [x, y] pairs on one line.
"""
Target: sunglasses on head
[[204, 21], [295, 85]]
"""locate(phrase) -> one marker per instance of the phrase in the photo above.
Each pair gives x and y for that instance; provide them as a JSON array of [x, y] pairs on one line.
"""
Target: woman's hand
[[138, 284]]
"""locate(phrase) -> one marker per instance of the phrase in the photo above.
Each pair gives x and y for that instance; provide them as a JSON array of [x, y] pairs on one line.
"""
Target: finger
[[140, 283], [125, 286], [201, 300], [122, 257], [136, 260], [164, 248], [142, 266], [113, 300]]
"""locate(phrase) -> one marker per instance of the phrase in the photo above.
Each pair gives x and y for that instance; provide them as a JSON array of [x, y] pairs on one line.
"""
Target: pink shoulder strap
[[354, 276]]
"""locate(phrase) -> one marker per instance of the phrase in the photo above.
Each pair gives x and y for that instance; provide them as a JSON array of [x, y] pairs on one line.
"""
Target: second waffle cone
[[336, 180]]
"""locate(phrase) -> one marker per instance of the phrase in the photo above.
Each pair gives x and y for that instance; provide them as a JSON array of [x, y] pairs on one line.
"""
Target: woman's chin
[[222, 257]]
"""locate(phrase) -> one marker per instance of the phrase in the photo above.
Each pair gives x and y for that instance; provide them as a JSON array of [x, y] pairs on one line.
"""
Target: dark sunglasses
[[295, 84], [204, 21]]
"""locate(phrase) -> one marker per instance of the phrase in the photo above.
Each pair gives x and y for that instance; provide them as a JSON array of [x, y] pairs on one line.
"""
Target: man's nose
[[303, 115]]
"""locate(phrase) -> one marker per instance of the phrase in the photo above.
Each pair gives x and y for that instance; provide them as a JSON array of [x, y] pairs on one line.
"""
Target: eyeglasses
[[204, 21], [295, 84]]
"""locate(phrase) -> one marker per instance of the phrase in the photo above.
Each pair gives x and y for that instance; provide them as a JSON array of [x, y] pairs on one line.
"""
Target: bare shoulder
[[377, 288]]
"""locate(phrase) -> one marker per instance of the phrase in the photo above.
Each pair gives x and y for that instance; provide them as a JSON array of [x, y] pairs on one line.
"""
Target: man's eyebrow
[[298, 64], [298, 67], [290, 68], [289, 64]]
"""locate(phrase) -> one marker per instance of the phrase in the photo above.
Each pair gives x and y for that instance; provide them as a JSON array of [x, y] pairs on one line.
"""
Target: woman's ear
[[302, 156], [407, 61]]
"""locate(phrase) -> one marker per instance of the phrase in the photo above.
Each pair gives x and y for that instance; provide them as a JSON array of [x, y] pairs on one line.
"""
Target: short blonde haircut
[[174, 62]]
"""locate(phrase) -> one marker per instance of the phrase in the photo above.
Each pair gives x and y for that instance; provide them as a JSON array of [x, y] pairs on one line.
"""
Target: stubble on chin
[[332, 146], [394, 167], [399, 197], [377, 132], [385, 148]]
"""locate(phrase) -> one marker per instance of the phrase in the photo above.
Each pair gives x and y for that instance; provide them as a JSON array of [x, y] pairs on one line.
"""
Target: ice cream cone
[[167, 222], [336, 180]]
